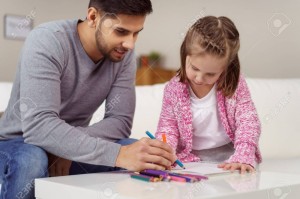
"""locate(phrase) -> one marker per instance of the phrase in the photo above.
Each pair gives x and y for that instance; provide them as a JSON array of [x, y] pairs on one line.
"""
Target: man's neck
[[88, 42]]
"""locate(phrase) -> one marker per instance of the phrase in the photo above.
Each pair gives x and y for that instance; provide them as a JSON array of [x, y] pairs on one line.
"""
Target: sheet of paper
[[204, 168]]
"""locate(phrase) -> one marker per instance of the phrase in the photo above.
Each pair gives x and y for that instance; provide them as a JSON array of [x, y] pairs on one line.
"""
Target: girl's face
[[204, 70]]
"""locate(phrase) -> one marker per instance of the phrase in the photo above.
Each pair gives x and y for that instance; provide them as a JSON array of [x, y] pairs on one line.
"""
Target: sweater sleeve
[[41, 65], [244, 153], [248, 127], [167, 122]]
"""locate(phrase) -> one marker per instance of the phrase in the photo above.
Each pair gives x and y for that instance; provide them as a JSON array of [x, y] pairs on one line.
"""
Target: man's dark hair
[[128, 7]]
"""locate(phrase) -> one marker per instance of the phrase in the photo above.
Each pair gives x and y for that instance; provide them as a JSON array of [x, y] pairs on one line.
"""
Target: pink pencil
[[177, 179], [195, 176]]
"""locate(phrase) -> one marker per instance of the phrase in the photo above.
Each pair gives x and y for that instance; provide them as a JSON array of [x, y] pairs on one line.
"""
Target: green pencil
[[144, 177]]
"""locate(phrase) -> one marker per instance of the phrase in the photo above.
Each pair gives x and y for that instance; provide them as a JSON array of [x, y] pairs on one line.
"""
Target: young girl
[[207, 112]]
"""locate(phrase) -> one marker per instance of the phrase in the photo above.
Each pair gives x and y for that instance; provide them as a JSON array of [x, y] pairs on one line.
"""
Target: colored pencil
[[200, 177], [157, 173], [187, 178], [177, 179], [164, 138], [177, 161], [144, 177]]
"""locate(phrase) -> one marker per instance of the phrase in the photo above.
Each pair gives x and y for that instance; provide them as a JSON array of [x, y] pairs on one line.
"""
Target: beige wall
[[45, 10], [266, 51]]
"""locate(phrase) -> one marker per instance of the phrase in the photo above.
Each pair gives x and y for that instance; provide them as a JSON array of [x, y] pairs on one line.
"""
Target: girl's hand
[[237, 166]]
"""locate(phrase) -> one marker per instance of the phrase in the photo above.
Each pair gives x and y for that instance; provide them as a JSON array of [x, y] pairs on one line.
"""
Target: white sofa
[[277, 102]]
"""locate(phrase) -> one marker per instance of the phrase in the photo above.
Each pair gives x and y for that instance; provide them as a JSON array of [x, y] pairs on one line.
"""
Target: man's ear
[[92, 17]]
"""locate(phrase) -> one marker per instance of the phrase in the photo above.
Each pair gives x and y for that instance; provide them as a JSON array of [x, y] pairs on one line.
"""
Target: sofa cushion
[[148, 107], [277, 103], [5, 89]]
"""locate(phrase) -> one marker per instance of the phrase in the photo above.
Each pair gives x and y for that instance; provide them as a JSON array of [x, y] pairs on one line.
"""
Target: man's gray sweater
[[58, 88]]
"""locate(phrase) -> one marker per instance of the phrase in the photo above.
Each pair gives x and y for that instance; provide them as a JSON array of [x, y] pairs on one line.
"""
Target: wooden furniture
[[149, 75]]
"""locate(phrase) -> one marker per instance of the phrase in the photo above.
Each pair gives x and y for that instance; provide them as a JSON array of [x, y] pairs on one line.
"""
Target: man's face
[[116, 34]]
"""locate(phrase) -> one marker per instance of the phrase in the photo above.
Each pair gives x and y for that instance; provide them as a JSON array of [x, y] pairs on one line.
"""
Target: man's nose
[[129, 43]]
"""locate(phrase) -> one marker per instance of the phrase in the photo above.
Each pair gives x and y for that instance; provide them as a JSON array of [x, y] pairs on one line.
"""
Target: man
[[67, 69]]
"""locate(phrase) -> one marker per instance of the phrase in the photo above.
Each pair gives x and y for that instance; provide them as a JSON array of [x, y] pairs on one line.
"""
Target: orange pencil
[[164, 138]]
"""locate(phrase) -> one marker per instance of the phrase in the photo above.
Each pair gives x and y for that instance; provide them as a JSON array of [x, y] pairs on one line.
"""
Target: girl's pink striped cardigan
[[238, 116]]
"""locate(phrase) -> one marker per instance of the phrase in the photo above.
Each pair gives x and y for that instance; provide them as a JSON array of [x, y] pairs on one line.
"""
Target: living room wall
[[269, 31], [44, 11]]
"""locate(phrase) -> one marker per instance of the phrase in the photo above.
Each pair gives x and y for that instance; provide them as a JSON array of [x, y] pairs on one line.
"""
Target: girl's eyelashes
[[211, 74], [208, 74], [194, 68]]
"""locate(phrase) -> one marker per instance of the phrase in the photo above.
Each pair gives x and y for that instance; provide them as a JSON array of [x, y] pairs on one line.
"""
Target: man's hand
[[237, 166], [58, 166], [146, 154]]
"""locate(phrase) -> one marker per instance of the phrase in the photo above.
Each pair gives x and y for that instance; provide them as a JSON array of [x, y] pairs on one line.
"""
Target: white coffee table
[[262, 184]]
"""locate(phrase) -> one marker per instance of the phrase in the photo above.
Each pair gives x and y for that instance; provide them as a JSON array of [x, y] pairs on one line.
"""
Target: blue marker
[[177, 161]]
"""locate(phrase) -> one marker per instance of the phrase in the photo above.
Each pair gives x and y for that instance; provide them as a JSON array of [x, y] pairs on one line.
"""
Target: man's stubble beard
[[103, 47]]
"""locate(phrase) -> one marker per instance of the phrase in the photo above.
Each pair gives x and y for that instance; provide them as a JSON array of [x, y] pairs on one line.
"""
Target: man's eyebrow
[[124, 29]]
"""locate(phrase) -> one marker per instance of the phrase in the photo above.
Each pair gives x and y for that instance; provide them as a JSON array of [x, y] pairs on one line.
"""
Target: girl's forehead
[[208, 62]]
